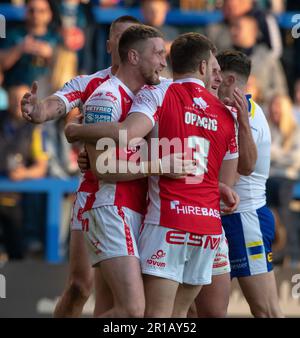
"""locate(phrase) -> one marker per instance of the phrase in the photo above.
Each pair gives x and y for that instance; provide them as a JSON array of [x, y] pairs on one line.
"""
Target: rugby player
[[250, 229]]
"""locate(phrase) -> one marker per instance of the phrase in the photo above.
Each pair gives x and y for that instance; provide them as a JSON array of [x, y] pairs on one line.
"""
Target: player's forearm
[[50, 108], [118, 177], [228, 172], [123, 171], [91, 133], [247, 150]]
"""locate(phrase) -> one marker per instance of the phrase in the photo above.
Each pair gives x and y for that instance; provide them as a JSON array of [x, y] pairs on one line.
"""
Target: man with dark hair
[[122, 19], [136, 38], [182, 227], [236, 61], [73, 95], [250, 229], [187, 60]]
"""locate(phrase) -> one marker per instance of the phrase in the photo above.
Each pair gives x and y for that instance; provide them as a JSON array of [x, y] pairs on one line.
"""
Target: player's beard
[[150, 77]]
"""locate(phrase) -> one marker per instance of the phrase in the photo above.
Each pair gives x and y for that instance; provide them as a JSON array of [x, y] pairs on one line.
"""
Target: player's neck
[[188, 76], [114, 69], [134, 81]]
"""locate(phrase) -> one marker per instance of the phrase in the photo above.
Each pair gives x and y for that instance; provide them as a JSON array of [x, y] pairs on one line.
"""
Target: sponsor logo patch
[[94, 114], [154, 260]]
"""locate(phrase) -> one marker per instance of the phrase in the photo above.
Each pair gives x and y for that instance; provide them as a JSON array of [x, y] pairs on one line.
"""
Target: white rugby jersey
[[75, 92], [252, 188]]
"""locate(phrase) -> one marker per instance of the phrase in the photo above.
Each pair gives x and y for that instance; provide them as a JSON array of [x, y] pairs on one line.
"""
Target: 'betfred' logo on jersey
[[193, 210]]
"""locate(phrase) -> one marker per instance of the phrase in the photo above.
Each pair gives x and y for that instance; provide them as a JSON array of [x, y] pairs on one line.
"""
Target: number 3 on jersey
[[200, 146]]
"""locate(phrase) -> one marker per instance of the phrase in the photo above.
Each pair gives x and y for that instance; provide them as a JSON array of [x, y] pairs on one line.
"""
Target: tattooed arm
[[36, 111]]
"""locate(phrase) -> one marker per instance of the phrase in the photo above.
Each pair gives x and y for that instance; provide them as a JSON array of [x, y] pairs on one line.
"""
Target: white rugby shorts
[[177, 255], [110, 232]]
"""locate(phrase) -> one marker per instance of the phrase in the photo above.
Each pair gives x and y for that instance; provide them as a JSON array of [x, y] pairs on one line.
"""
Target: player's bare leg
[[123, 275], [103, 295], [192, 313], [184, 299], [213, 299], [80, 279], [160, 295], [261, 294]]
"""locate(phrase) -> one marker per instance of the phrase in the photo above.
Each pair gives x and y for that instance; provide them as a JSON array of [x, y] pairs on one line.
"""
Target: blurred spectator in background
[[296, 105], [193, 4], [22, 157], [109, 3], [284, 171], [27, 51], [73, 56], [266, 68], [155, 13], [267, 25]]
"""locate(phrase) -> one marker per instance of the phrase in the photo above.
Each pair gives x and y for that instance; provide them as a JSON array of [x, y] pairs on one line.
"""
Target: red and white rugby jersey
[[111, 102], [185, 110], [74, 94]]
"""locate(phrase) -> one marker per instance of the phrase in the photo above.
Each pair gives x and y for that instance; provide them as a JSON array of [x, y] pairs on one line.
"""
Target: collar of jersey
[[191, 79], [119, 82]]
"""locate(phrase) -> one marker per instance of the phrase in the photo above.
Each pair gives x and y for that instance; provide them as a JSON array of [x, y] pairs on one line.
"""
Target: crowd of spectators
[[59, 39]]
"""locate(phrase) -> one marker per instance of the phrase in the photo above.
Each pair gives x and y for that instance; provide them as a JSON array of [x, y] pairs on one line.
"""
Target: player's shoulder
[[108, 91], [161, 87], [85, 80], [154, 92], [102, 73]]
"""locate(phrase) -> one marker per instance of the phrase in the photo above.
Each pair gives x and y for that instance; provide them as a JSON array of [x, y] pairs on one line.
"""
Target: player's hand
[[83, 161], [241, 104], [74, 116], [175, 166], [30, 106], [230, 198]]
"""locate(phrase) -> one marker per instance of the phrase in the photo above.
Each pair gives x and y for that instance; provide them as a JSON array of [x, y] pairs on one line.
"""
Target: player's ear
[[231, 80], [203, 67], [133, 56]]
